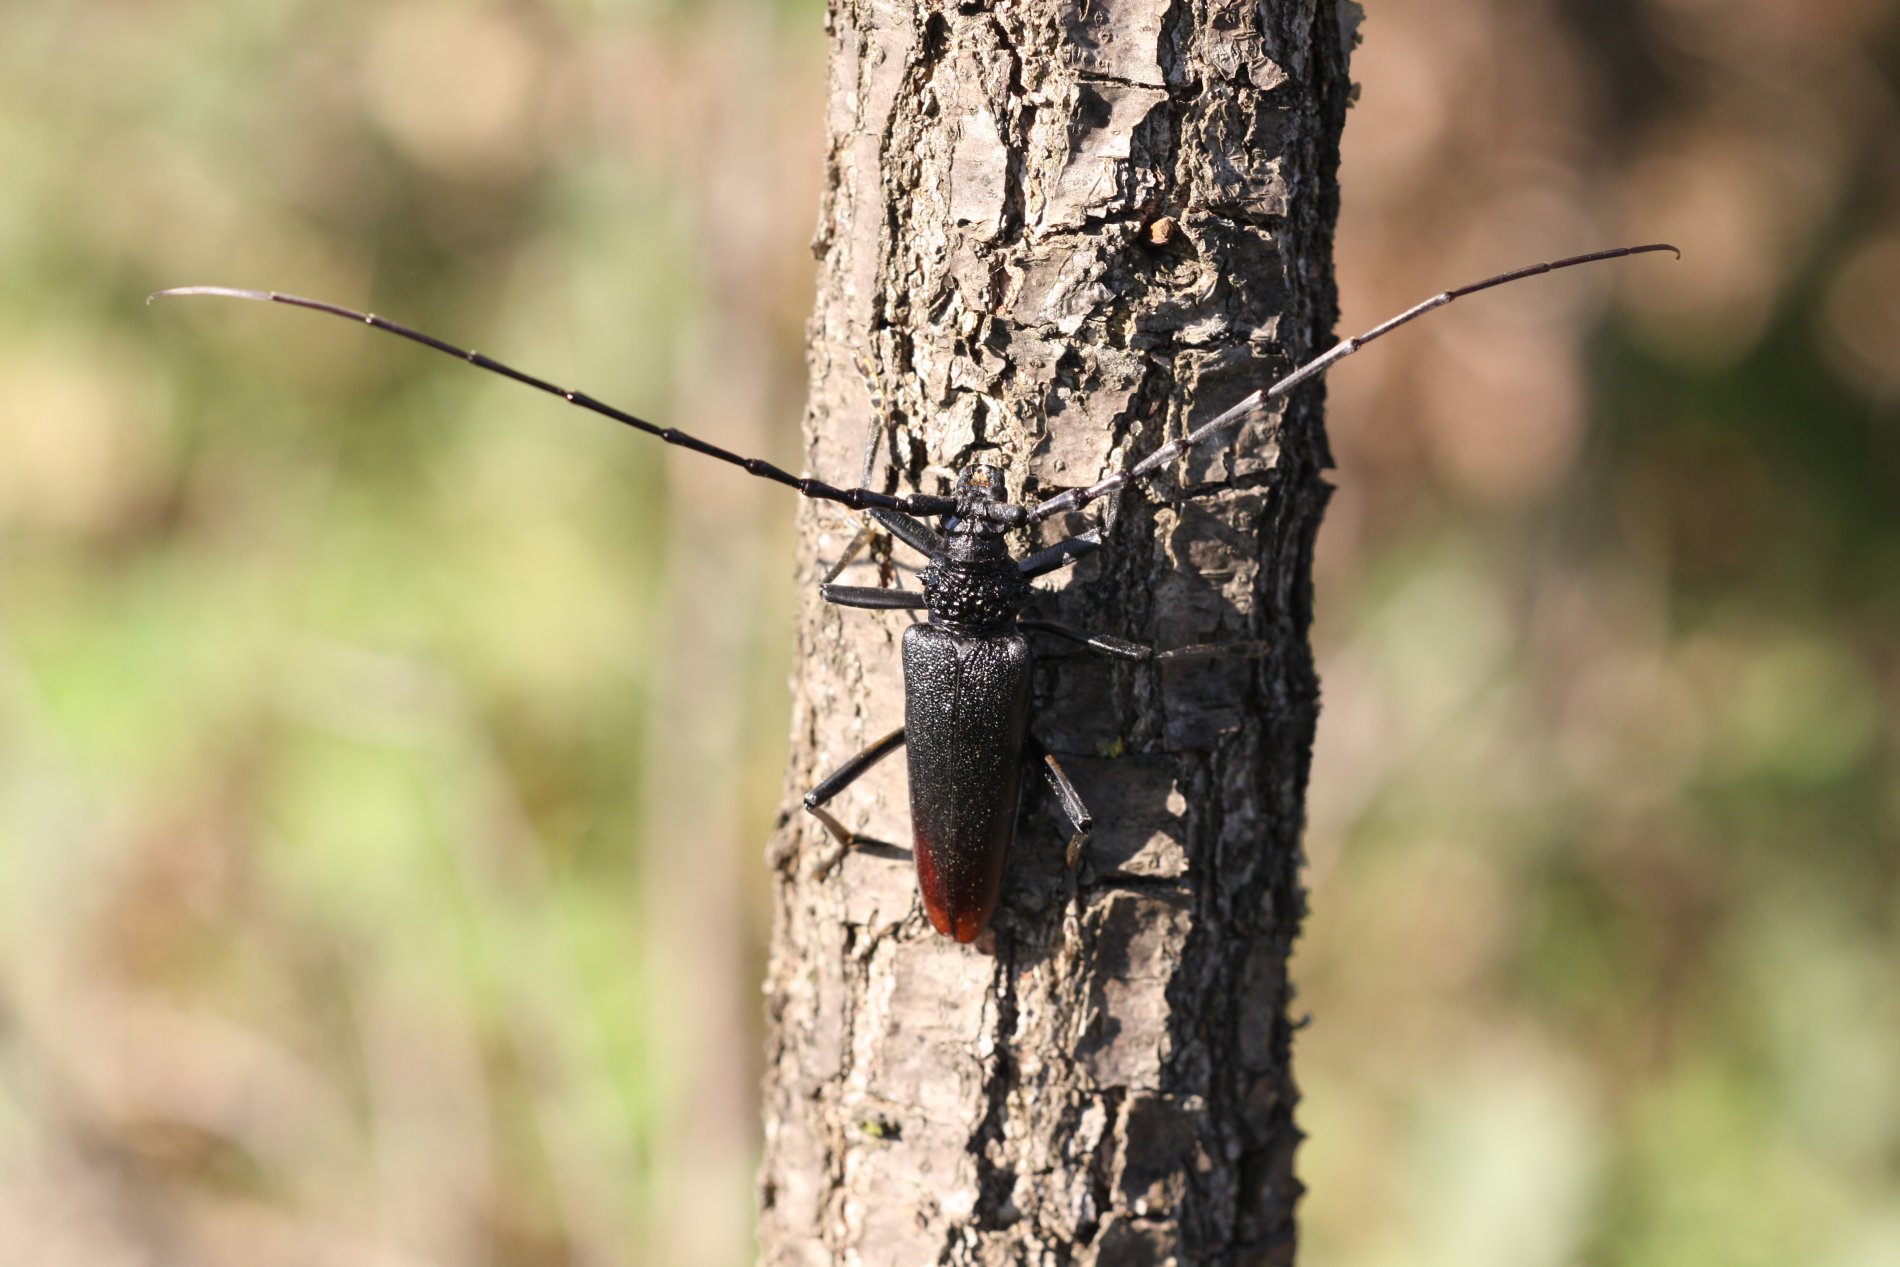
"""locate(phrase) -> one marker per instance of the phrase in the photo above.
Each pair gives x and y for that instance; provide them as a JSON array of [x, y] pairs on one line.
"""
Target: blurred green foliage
[[344, 690], [1604, 823], [385, 753]]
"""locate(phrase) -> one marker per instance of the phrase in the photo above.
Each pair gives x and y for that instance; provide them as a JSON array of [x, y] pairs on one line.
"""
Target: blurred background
[[345, 691]]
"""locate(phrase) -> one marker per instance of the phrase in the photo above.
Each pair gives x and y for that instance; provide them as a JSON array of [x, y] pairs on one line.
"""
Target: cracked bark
[[1062, 231]]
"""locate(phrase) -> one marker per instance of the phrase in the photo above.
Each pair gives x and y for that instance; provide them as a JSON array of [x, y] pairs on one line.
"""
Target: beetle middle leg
[[872, 596], [1122, 649], [840, 779]]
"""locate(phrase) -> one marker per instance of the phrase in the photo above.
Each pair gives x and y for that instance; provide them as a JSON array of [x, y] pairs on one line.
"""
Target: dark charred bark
[[1062, 231]]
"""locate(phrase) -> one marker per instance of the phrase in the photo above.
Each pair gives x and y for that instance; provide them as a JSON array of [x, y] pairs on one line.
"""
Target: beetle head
[[983, 504], [980, 481]]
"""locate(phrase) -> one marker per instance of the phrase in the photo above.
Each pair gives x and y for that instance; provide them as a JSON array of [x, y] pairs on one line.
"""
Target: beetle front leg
[[912, 532], [1061, 554], [851, 551]]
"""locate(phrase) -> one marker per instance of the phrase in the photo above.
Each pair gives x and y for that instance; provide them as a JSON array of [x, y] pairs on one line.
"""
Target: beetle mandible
[[967, 663]]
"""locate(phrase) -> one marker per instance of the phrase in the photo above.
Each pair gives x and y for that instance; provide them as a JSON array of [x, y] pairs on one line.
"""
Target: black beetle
[[967, 664]]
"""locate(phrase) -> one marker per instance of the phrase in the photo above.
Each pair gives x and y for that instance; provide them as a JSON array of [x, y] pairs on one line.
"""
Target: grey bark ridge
[[1064, 231]]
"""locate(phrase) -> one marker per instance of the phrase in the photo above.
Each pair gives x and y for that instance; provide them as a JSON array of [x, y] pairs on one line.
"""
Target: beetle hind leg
[[837, 781], [1081, 822]]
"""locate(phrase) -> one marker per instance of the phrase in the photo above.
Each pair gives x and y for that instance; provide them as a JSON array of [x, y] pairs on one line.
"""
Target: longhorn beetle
[[967, 664]]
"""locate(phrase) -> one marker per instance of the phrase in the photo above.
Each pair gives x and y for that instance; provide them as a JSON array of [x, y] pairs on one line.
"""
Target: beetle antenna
[[1255, 403], [855, 498]]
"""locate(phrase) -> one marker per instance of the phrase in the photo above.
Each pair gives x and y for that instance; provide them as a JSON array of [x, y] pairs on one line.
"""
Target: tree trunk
[[1063, 231]]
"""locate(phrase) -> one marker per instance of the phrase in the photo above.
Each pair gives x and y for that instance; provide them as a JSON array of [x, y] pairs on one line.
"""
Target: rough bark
[[1063, 230]]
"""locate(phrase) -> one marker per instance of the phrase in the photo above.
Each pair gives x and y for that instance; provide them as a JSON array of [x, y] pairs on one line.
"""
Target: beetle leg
[[847, 774], [873, 596], [912, 532], [1073, 808], [837, 781], [873, 434], [1122, 649], [1237, 650], [1060, 554], [851, 552]]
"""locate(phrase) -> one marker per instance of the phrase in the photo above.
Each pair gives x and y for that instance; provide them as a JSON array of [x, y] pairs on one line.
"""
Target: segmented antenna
[[855, 498], [1255, 403]]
